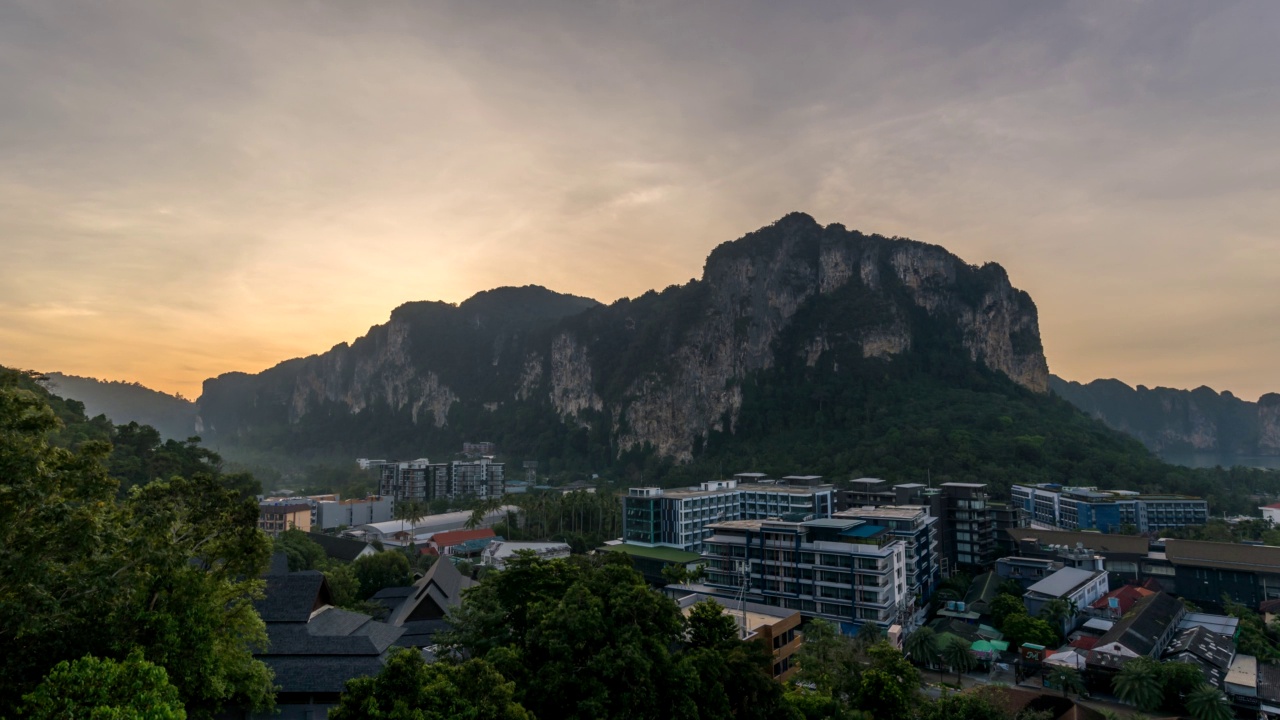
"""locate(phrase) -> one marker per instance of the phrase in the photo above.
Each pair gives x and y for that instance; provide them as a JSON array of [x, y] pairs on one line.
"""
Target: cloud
[[232, 184]]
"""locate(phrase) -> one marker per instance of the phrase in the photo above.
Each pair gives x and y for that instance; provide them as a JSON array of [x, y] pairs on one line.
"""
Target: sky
[[192, 188]]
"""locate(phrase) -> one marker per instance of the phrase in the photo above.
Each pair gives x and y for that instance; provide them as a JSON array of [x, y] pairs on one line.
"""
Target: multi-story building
[[680, 518], [336, 513], [1088, 508], [918, 531], [478, 449], [423, 480], [276, 517], [840, 569], [966, 524]]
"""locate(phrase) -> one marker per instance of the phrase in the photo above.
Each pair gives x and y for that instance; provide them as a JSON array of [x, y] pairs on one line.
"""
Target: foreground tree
[[829, 662], [922, 646], [1208, 703], [1140, 683], [381, 570], [171, 569], [1066, 679], [409, 688], [102, 688]]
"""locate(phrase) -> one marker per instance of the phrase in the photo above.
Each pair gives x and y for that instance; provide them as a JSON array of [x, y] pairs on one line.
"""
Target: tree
[[828, 661], [1005, 606], [958, 657], [381, 570], [981, 703], [922, 646], [171, 568], [1019, 629], [408, 688], [1208, 703], [103, 688], [709, 626], [1179, 680], [303, 552], [1067, 679], [1058, 612], [890, 684], [1140, 683]]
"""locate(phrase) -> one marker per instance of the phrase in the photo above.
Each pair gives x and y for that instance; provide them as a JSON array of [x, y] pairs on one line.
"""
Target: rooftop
[[895, 512], [1100, 542], [1063, 582], [665, 554], [1229, 556], [1140, 628]]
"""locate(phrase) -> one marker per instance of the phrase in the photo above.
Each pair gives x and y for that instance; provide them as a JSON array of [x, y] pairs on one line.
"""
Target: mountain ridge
[[1175, 420], [663, 370]]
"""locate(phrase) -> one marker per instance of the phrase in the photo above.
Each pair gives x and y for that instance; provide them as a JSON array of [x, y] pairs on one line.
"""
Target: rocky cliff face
[[664, 370], [1169, 420]]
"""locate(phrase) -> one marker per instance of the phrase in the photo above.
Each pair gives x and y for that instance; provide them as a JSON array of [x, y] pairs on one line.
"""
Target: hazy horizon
[[198, 188]]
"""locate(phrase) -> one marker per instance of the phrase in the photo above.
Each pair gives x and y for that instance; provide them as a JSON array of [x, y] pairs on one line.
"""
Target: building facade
[[335, 513], [1088, 508], [918, 531], [422, 480], [276, 517], [680, 518], [843, 570]]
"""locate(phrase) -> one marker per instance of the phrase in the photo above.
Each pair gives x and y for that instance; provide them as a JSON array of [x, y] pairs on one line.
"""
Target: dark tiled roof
[[1140, 628], [442, 584], [295, 639], [339, 548], [1269, 682], [421, 633], [1212, 651], [292, 597], [335, 621], [1118, 544], [1229, 556], [320, 674], [984, 589]]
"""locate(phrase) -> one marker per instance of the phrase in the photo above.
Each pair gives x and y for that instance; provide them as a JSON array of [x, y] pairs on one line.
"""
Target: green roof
[[665, 554]]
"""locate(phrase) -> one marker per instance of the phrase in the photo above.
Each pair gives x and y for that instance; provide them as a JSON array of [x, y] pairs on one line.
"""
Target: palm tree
[[1057, 612], [1208, 703], [1139, 682], [1066, 678], [922, 646], [956, 652]]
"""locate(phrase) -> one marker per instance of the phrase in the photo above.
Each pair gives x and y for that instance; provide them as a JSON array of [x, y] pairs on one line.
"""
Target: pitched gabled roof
[[442, 585], [340, 548], [1141, 628], [292, 597], [1228, 556], [1211, 651], [1125, 595], [982, 591]]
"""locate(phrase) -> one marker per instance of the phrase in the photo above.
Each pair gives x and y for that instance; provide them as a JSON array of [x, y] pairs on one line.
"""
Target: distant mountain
[[1177, 421], [123, 403]]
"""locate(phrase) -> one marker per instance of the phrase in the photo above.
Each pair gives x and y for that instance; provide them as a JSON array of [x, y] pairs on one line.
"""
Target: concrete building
[[1271, 513], [403, 532], [966, 523], [1026, 571], [840, 569], [918, 531], [497, 554], [278, 516], [422, 480], [775, 628], [335, 513], [680, 518], [1088, 508], [1079, 588]]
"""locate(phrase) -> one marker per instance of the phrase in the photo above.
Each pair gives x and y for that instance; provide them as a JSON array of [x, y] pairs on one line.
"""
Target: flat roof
[[834, 522], [867, 481], [664, 554], [964, 485], [1243, 671], [864, 531], [900, 512], [1063, 582]]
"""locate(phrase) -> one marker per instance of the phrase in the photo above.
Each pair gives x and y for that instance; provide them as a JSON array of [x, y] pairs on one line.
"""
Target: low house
[[982, 591], [463, 543], [341, 548], [1211, 652], [314, 648], [1144, 631], [421, 608], [1077, 587], [1119, 601], [276, 517], [497, 554], [1025, 571], [777, 628]]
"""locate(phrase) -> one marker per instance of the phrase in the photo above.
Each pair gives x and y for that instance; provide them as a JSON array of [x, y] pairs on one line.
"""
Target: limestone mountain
[[663, 371], [1169, 420]]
